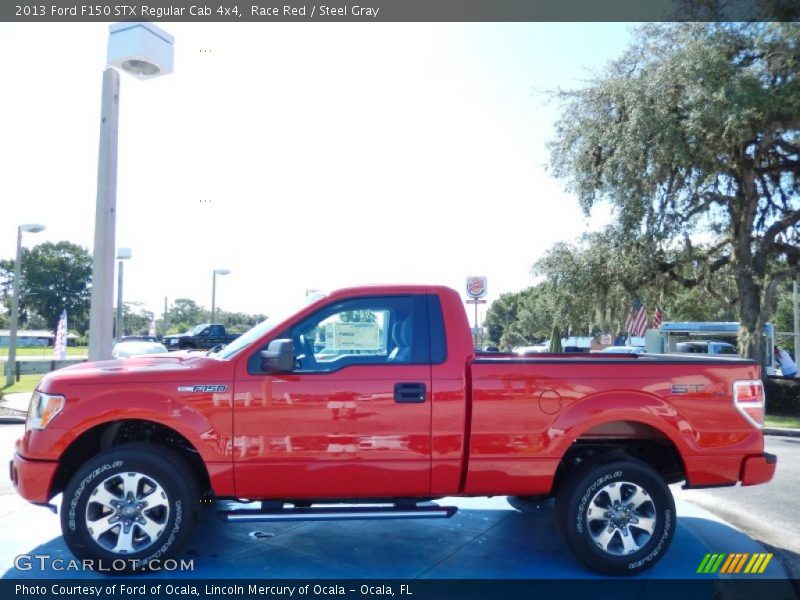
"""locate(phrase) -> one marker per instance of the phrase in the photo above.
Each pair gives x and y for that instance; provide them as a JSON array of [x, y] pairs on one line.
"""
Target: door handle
[[409, 392]]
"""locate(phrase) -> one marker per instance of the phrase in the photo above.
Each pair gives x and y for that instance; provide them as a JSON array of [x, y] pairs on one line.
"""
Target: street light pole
[[118, 332], [122, 255], [11, 363], [144, 51], [165, 327], [213, 296], [796, 322], [101, 310], [214, 290]]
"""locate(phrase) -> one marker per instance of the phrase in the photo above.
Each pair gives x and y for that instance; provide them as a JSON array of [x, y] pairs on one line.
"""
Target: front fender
[[203, 418]]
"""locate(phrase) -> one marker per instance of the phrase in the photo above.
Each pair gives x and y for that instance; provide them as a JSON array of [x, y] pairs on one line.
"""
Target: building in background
[[34, 338]]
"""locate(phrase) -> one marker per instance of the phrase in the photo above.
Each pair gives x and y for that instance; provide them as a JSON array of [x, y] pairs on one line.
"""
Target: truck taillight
[[748, 397]]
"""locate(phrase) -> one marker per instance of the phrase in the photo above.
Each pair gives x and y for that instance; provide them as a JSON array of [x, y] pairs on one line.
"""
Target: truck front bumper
[[758, 469], [32, 478]]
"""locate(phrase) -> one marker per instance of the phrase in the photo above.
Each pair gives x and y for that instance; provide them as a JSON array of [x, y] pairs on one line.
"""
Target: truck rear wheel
[[617, 518], [129, 508]]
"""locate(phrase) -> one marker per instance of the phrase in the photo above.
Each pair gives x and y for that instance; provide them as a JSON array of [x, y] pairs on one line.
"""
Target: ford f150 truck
[[200, 337], [401, 414]]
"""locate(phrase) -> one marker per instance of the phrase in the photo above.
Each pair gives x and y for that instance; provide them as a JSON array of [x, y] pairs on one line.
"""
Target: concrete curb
[[782, 431], [14, 407], [16, 401]]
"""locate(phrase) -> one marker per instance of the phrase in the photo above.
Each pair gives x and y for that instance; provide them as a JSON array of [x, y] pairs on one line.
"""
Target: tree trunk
[[749, 274], [555, 340]]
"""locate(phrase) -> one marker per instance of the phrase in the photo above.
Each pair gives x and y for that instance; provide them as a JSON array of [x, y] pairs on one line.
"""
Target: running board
[[344, 513]]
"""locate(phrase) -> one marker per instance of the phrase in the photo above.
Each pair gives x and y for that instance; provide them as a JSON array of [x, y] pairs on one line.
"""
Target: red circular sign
[[476, 287]]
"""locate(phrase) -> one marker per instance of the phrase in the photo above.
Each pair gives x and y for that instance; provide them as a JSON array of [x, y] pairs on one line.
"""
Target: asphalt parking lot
[[489, 538], [495, 538]]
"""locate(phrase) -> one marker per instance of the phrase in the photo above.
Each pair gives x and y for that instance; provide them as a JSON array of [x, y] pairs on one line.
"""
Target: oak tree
[[693, 135]]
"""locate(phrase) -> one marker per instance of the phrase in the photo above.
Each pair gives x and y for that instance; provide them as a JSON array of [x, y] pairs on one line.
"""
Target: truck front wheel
[[617, 518], [129, 508]]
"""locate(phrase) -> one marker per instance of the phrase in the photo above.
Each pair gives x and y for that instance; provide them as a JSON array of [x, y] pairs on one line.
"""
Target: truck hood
[[176, 366]]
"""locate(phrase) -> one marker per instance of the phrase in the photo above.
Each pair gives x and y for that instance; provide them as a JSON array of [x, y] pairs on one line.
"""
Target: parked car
[[706, 347], [523, 350], [139, 338], [127, 348], [201, 337], [406, 413], [623, 350]]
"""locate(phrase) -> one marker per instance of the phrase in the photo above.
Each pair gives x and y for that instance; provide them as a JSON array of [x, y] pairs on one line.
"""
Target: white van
[[704, 347]]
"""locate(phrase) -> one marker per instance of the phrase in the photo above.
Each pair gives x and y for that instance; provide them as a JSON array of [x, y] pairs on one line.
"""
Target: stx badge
[[202, 388]]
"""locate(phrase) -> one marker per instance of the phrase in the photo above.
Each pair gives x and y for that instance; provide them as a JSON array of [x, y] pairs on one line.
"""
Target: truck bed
[[528, 411]]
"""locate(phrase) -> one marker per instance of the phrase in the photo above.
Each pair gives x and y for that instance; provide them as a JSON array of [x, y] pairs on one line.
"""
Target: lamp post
[[123, 254], [144, 51], [214, 290], [796, 329], [11, 363]]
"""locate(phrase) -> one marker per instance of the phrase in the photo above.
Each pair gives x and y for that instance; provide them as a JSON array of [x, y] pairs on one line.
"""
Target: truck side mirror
[[278, 357]]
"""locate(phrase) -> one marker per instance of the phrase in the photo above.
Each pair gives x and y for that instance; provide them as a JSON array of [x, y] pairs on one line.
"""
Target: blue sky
[[302, 155]]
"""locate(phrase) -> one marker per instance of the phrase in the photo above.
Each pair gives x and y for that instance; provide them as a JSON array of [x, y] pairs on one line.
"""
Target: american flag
[[658, 318], [60, 345], [636, 322]]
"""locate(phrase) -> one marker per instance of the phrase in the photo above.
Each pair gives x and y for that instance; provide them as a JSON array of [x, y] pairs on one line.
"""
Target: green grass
[[46, 352], [789, 422], [26, 383]]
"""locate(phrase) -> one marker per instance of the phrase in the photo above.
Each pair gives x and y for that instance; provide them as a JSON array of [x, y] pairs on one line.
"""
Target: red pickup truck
[[372, 403]]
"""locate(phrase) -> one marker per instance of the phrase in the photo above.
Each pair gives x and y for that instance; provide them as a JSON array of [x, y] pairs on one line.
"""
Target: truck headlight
[[43, 409], [173, 342]]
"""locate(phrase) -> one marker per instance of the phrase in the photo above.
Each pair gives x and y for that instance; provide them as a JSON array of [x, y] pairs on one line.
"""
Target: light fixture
[[141, 68], [141, 49]]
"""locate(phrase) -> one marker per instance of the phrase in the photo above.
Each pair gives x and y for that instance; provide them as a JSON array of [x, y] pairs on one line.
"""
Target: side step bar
[[344, 513]]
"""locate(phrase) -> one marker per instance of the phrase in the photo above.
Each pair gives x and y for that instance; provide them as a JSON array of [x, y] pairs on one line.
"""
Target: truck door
[[354, 417]]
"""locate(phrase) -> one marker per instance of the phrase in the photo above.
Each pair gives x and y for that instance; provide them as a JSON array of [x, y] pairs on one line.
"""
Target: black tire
[[622, 539], [162, 481]]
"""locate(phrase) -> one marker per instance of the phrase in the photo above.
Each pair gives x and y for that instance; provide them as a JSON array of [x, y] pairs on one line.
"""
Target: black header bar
[[112, 588], [236, 11]]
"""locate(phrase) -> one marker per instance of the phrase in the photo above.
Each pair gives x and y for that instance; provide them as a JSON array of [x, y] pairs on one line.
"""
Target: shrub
[[783, 396]]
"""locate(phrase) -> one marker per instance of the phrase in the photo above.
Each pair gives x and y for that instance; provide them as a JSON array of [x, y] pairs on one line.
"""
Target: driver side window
[[361, 331]]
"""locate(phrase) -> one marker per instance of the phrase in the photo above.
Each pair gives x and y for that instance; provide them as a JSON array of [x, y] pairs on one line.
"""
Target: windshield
[[259, 330], [196, 329]]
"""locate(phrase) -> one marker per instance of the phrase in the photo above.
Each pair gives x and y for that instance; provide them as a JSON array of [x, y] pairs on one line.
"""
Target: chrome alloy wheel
[[127, 512], [621, 518]]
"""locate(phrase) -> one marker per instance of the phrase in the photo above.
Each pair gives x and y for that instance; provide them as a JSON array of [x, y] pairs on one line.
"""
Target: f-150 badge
[[202, 388]]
